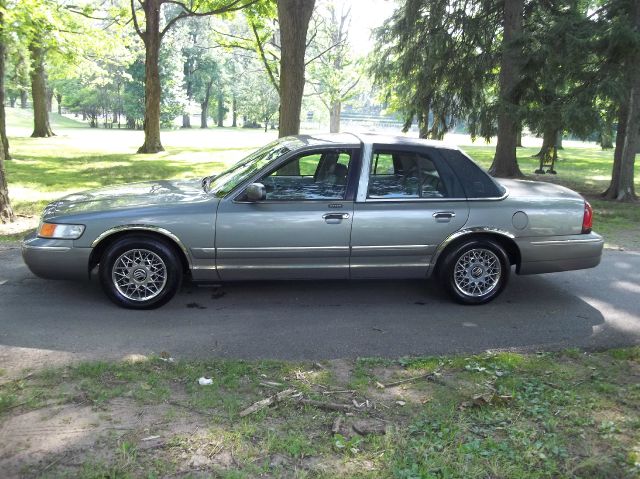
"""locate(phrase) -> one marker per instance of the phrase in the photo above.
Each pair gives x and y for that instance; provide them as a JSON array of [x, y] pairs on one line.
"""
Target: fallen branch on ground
[[329, 406], [257, 406], [429, 377]]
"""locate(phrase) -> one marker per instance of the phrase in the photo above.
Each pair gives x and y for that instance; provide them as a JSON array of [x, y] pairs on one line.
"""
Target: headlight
[[54, 231]]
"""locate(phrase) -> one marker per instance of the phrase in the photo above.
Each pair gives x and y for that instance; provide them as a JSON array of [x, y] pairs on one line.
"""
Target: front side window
[[403, 174], [318, 175]]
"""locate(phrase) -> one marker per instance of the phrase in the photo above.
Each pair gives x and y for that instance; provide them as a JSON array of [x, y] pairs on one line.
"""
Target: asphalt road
[[46, 322]]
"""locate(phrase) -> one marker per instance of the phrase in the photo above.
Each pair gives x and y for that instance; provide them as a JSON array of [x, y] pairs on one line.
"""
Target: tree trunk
[[423, 125], [3, 120], [549, 138], [59, 102], [23, 99], [220, 110], [234, 113], [12, 100], [559, 138], [49, 100], [334, 116], [519, 138], [41, 127], [293, 17], [622, 186], [187, 70], [6, 212], [203, 115], [505, 163], [205, 105], [606, 137], [152, 88]]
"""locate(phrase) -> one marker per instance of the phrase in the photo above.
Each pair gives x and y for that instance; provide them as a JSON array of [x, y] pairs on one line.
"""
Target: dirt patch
[[341, 370], [19, 227], [64, 434]]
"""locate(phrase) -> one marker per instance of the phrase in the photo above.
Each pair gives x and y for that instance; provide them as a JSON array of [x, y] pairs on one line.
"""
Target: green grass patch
[[566, 414]]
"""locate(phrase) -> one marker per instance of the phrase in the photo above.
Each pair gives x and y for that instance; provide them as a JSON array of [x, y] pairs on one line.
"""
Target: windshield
[[226, 181]]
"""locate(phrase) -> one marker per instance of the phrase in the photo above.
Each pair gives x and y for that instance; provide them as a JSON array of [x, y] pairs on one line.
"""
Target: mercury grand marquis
[[318, 207]]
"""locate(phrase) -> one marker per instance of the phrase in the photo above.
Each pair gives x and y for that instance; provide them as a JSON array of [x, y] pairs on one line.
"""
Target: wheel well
[[99, 249], [510, 247]]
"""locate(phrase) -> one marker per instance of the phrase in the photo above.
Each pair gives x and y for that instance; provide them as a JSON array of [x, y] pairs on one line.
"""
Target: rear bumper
[[55, 259], [559, 253]]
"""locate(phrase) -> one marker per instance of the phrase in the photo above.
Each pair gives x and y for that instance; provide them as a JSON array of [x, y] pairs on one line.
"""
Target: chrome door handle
[[444, 216], [335, 216]]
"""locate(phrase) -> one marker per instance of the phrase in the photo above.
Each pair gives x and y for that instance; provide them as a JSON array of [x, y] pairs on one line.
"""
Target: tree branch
[[264, 58], [187, 12], [323, 52], [135, 21]]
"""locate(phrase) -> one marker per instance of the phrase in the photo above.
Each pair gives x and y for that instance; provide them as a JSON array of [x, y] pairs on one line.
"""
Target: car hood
[[133, 195]]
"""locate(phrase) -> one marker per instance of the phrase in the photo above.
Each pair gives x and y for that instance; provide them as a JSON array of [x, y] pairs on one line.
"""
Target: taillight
[[587, 218]]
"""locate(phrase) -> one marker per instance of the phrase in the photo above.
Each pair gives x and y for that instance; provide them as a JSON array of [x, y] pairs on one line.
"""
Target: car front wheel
[[475, 272], [140, 273]]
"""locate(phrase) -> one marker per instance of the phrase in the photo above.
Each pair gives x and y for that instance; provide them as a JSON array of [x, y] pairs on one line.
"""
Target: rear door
[[408, 202]]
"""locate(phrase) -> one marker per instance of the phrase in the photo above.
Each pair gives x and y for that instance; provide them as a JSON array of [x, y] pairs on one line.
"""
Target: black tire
[[152, 257], [482, 257]]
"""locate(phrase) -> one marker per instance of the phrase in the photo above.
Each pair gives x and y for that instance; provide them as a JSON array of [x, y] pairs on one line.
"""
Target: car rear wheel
[[137, 272], [475, 272]]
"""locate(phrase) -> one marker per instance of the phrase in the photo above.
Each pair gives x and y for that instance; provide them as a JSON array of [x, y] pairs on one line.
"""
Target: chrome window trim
[[421, 200], [413, 199], [154, 229], [279, 202]]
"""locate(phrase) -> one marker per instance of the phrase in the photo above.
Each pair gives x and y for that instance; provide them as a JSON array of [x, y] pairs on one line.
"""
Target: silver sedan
[[318, 207]]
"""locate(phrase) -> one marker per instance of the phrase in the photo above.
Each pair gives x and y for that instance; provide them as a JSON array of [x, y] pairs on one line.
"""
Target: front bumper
[[55, 259], [559, 253]]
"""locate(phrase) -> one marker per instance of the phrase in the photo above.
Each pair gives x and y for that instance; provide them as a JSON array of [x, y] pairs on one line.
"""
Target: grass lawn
[[80, 158], [503, 415]]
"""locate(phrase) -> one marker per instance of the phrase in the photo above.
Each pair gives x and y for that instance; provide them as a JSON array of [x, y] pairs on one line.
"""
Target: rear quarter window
[[476, 182]]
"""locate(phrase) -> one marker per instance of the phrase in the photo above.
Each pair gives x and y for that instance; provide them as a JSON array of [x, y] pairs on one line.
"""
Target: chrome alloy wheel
[[477, 272], [139, 274]]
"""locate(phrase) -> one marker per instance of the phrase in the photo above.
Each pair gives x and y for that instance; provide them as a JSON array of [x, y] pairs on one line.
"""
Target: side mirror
[[256, 192]]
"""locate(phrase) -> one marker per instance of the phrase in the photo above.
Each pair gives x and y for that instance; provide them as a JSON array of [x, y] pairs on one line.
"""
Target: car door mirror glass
[[256, 192]]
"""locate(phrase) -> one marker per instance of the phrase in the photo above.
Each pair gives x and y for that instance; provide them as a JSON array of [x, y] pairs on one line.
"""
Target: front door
[[410, 204], [301, 230]]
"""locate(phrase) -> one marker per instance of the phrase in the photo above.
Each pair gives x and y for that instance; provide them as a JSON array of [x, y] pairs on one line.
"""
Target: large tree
[[6, 212], [41, 126], [434, 61], [625, 38], [293, 18], [505, 163], [153, 27]]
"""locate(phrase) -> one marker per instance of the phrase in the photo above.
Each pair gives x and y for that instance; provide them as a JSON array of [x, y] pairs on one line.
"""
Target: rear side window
[[475, 181], [404, 174]]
